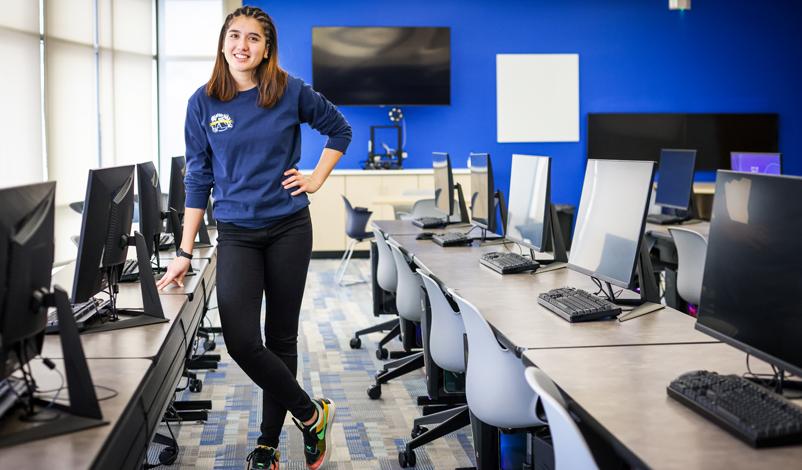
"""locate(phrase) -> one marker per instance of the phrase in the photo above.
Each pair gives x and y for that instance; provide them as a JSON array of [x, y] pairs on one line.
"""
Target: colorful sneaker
[[263, 457], [318, 444]]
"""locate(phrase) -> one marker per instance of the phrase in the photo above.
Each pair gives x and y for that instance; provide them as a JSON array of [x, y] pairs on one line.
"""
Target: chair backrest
[[571, 451], [446, 329], [356, 221], [495, 387], [691, 252], [408, 292], [386, 274]]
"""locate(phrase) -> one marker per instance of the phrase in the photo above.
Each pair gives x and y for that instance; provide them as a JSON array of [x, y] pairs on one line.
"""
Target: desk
[[623, 390], [509, 303], [79, 450]]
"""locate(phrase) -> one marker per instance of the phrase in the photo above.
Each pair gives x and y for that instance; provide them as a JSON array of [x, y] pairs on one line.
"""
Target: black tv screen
[[637, 136], [382, 65]]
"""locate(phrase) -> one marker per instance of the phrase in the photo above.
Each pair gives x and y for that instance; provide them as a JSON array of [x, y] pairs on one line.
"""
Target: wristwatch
[[180, 252]]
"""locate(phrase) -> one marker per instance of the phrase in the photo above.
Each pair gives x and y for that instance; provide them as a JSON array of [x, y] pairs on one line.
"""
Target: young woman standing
[[243, 140]]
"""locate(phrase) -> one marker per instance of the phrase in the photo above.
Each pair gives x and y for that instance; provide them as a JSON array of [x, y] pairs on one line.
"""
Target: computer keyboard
[[576, 305], [130, 271], [84, 314], [750, 412], [664, 219], [508, 263], [429, 222], [451, 239], [165, 241]]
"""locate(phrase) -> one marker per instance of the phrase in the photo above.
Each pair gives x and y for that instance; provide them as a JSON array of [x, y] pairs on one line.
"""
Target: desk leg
[[485, 444]]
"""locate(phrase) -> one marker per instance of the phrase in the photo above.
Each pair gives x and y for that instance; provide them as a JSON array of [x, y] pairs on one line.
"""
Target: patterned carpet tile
[[367, 434]]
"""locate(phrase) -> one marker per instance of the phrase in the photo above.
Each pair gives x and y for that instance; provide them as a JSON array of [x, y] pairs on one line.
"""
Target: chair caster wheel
[[209, 345], [417, 431], [355, 343], [168, 455], [406, 458], [375, 391], [382, 354], [195, 385]]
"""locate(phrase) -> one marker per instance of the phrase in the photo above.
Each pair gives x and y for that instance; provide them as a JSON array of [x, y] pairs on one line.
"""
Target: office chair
[[691, 251], [571, 451], [408, 301], [494, 376], [355, 223], [426, 208], [387, 279], [445, 347]]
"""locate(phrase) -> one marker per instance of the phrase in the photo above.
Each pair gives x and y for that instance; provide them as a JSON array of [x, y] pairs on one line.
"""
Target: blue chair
[[356, 229]]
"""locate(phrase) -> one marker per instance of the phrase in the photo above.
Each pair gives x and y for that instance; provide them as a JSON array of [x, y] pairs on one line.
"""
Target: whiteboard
[[537, 97]]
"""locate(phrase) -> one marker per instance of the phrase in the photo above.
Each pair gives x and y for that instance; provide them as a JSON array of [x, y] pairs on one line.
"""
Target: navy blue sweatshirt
[[242, 151]]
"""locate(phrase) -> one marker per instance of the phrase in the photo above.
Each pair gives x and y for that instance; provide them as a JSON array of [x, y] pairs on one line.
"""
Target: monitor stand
[[554, 232], [204, 241], [83, 412], [649, 294], [498, 204], [463, 208], [151, 312]]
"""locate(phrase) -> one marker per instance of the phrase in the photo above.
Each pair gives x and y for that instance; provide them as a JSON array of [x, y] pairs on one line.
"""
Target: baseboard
[[362, 254]]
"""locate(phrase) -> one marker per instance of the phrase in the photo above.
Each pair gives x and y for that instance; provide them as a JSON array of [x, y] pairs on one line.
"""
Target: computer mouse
[[424, 236]]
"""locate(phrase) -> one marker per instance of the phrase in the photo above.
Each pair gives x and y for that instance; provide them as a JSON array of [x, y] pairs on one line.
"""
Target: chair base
[[404, 366], [344, 263], [456, 419]]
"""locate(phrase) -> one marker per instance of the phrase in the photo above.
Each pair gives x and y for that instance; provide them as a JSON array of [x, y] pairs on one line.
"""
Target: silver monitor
[[443, 183], [609, 226], [527, 212]]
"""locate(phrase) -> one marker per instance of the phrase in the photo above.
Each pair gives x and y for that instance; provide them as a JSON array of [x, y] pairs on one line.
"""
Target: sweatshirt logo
[[221, 122]]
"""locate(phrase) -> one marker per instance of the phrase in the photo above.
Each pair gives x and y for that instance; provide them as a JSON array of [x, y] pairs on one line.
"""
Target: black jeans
[[272, 262]]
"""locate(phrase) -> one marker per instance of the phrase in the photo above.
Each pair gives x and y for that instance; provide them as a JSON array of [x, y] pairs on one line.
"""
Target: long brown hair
[[271, 79]]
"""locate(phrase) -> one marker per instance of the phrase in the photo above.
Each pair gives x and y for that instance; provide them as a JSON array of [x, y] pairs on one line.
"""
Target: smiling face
[[245, 45]]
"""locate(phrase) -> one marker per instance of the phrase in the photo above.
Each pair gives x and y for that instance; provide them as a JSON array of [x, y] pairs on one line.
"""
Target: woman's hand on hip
[[305, 184], [176, 271]]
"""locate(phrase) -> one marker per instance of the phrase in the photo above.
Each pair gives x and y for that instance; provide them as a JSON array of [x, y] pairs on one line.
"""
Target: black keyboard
[[664, 219], [165, 242], [84, 313], [429, 222], [576, 305], [508, 263], [750, 412], [451, 239], [130, 271]]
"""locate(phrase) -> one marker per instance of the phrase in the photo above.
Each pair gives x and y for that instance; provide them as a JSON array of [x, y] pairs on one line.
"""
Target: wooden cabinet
[[381, 191]]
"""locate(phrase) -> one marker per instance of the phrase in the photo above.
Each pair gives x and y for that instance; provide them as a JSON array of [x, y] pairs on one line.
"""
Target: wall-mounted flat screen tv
[[382, 65], [636, 136]]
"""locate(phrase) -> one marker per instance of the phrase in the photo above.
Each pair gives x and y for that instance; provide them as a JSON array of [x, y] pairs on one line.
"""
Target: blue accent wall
[[634, 56]]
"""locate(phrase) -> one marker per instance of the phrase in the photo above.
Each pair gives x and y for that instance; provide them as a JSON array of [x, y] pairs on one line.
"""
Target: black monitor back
[[107, 217], [750, 291], [443, 183], [177, 196], [483, 193], [26, 261], [150, 209]]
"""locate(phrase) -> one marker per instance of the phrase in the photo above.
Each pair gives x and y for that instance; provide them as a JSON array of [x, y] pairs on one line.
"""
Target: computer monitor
[[675, 178], [483, 193], [609, 225], [752, 162], [176, 198], [150, 209], [26, 261], [750, 290], [528, 208], [443, 183], [105, 228]]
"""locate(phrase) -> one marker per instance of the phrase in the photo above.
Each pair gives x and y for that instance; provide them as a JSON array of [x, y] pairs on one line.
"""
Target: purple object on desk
[[767, 163]]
